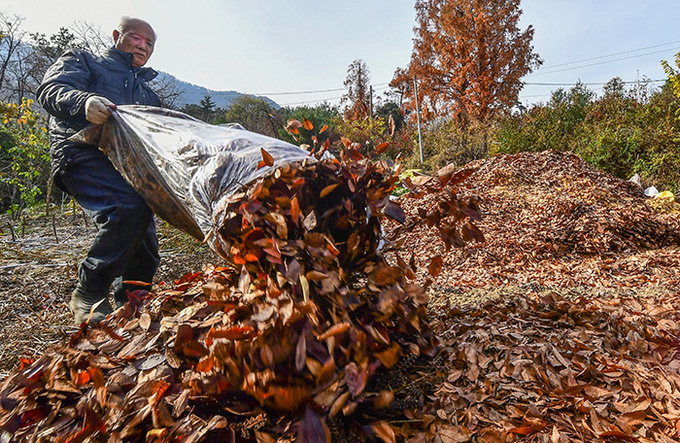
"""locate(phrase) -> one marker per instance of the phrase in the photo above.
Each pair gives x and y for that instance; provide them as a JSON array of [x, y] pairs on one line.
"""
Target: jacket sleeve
[[156, 101], [62, 92]]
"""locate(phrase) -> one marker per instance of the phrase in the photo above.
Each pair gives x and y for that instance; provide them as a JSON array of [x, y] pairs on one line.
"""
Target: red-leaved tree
[[469, 57], [357, 99]]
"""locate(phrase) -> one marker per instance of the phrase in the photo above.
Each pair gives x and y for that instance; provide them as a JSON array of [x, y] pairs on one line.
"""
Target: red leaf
[[24, 362], [382, 147], [194, 349], [295, 210], [435, 266], [523, 430], [233, 333], [82, 377], [32, 416], [308, 125], [206, 364], [323, 129], [333, 331], [458, 177], [267, 158]]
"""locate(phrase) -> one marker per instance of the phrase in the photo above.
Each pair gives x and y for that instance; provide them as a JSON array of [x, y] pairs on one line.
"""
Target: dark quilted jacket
[[76, 76]]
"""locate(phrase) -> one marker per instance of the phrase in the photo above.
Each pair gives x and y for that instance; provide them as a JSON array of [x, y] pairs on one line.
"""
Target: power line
[[308, 92], [542, 67], [608, 55], [592, 84], [602, 62], [327, 99]]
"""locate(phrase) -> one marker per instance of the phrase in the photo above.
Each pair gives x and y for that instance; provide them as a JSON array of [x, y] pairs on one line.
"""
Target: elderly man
[[78, 89]]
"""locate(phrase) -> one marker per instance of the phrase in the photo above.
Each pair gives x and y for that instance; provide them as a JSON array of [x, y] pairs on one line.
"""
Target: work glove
[[98, 109]]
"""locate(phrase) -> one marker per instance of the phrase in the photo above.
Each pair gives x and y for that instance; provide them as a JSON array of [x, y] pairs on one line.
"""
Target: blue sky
[[274, 46]]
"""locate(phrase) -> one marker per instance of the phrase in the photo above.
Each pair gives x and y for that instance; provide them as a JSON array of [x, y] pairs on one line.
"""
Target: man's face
[[139, 41]]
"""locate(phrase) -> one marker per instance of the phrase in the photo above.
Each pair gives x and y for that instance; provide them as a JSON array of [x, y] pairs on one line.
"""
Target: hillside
[[193, 94]]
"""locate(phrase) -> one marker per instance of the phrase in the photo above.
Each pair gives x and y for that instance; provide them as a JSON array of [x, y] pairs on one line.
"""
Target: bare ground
[[38, 270]]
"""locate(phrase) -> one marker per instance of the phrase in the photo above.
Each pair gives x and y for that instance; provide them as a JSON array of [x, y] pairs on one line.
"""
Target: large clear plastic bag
[[184, 168]]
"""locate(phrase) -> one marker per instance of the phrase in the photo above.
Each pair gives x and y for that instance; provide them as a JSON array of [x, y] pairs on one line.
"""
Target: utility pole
[[370, 91], [420, 137]]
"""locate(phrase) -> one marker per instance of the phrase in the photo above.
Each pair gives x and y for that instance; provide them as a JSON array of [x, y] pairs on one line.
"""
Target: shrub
[[24, 156]]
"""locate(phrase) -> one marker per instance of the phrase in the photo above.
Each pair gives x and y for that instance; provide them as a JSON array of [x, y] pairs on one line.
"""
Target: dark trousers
[[126, 245]]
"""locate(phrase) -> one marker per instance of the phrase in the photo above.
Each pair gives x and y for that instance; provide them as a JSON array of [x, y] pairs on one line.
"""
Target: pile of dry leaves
[[546, 369], [550, 219], [277, 345], [314, 335]]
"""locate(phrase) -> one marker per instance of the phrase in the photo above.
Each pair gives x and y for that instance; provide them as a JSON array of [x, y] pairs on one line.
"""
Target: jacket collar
[[125, 58]]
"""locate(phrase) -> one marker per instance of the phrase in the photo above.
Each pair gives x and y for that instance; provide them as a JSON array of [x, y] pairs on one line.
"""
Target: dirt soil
[[38, 270]]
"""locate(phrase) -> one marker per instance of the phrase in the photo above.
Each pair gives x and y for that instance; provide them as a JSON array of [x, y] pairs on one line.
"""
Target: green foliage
[[24, 156], [445, 142], [549, 126], [252, 113], [622, 132], [319, 115], [365, 132]]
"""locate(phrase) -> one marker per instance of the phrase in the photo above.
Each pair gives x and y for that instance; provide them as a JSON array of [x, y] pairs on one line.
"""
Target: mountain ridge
[[192, 94]]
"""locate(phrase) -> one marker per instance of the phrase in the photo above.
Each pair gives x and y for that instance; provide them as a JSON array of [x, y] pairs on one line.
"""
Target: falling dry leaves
[[290, 334]]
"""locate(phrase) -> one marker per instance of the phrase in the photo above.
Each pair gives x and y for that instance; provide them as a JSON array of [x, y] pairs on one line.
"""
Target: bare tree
[[11, 36], [90, 38], [167, 88]]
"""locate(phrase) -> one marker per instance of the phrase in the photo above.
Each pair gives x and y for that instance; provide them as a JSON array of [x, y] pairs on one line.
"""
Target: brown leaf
[[300, 352], [309, 222], [145, 321], [394, 211], [384, 431], [454, 179], [390, 356], [233, 333], [619, 435], [194, 349], [333, 331], [355, 378], [328, 189], [435, 266], [338, 404], [293, 126], [383, 400], [382, 147], [266, 157]]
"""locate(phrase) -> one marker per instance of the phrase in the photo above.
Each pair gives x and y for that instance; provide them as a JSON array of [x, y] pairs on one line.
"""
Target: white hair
[[128, 23]]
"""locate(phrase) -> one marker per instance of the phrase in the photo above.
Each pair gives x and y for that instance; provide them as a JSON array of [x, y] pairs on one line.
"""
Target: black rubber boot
[[82, 302], [120, 291]]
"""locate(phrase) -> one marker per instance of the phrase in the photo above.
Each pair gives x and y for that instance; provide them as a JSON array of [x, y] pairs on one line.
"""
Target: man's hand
[[97, 109]]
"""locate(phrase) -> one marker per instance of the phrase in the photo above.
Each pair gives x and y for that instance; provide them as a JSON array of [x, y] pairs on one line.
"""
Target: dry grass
[[38, 271]]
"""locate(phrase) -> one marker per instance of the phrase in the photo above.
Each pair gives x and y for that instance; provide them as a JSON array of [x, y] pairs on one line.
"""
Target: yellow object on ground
[[665, 195]]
